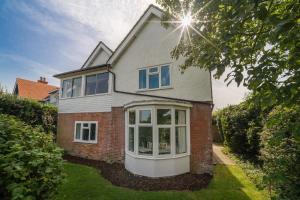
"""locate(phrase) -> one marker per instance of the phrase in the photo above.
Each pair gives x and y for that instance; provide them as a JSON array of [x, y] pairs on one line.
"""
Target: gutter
[[154, 96]]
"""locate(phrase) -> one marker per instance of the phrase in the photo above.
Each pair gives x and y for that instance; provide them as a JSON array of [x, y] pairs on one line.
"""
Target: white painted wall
[[96, 103], [100, 58], [152, 46], [157, 167], [91, 103], [53, 98]]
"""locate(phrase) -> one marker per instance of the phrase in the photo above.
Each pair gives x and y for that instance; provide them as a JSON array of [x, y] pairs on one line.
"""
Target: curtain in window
[[67, 88], [180, 139], [76, 87]]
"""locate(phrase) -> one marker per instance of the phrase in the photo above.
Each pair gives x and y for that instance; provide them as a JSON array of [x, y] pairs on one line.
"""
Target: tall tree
[[258, 41]]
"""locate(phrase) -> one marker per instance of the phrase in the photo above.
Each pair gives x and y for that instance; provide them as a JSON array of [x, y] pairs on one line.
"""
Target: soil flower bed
[[119, 176]]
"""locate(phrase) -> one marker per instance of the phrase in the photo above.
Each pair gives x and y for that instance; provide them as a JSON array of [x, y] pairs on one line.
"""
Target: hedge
[[30, 163], [240, 126], [31, 112], [280, 152]]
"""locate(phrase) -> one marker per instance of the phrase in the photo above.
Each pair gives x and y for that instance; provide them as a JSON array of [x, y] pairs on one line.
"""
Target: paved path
[[219, 157]]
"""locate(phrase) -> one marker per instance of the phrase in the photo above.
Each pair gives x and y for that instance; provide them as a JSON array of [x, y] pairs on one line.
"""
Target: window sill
[[154, 89], [165, 157], [93, 95], [85, 142]]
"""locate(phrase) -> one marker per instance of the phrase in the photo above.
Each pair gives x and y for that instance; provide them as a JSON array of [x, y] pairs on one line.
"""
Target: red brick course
[[201, 139], [110, 145], [111, 136]]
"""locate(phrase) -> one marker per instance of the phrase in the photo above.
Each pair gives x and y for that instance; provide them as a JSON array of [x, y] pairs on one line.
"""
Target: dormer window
[[154, 77]]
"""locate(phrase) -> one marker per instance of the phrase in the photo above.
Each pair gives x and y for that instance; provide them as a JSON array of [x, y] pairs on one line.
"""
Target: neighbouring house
[[133, 105], [37, 90], [52, 97]]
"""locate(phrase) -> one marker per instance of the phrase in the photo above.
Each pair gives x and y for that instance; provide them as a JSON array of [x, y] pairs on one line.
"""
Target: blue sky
[[45, 37]]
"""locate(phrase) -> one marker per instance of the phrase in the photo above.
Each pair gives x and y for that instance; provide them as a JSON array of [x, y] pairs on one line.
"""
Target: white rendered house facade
[[134, 105]]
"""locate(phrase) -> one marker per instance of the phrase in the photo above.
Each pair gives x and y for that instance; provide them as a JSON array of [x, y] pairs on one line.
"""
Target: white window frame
[[89, 127], [155, 136], [159, 77], [95, 74], [72, 81], [83, 85]]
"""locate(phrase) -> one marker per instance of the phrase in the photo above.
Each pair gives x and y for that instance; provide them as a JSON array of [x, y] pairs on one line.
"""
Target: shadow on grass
[[84, 182]]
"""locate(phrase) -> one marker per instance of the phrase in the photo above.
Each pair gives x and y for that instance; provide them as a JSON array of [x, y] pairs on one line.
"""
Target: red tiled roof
[[33, 89]]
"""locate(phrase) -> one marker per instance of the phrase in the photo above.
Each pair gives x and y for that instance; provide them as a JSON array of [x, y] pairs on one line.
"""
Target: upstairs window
[[154, 77], [71, 87], [96, 84]]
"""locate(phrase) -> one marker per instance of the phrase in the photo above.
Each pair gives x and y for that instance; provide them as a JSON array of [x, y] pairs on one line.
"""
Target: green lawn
[[85, 183]]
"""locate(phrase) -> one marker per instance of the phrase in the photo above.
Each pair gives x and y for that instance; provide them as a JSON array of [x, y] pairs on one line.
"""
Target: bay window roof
[[81, 71]]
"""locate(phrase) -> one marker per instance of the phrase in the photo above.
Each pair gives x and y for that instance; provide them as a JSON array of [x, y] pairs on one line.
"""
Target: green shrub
[[30, 163], [280, 152], [240, 126], [29, 111]]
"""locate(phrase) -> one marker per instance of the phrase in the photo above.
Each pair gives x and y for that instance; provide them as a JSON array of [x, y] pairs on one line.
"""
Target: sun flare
[[186, 20]]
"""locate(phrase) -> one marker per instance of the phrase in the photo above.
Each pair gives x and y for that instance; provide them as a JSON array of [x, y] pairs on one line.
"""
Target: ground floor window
[[157, 131], [86, 131]]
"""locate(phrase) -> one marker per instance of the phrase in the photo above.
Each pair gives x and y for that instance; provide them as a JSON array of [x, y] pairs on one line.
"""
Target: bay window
[[85, 132], [157, 131], [154, 77]]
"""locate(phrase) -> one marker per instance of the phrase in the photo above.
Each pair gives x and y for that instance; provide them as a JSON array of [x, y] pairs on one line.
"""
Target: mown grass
[[86, 183]]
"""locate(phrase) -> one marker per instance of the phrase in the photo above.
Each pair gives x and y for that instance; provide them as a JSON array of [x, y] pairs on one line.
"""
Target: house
[[52, 97], [36, 90], [133, 105]]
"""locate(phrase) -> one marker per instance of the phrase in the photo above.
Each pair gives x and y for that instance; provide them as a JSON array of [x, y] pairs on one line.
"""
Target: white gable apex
[[152, 10], [99, 56]]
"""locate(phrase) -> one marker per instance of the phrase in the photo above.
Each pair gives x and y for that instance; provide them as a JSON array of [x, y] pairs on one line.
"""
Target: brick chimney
[[42, 80]]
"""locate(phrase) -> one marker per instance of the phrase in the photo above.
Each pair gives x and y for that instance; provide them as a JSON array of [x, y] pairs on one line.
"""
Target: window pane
[[85, 125], [131, 139], [145, 116], [93, 132], [180, 135], [67, 88], [85, 134], [132, 117], [102, 83], [142, 79], [163, 116], [78, 129], [76, 87], [180, 117], [153, 70], [153, 81], [164, 140], [165, 76], [90, 87], [145, 140]]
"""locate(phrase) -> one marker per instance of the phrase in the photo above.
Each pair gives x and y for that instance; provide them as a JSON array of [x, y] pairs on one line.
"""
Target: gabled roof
[[32, 89], [151, 10], [95, 52]]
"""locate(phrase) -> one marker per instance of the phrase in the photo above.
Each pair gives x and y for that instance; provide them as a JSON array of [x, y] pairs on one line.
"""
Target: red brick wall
[[110, 146], [201, 139], [111, 136]]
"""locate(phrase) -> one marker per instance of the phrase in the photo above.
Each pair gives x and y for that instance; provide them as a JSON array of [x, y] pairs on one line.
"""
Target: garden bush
[[31, 112], [240, 126], [30, 163], [280, 152]]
